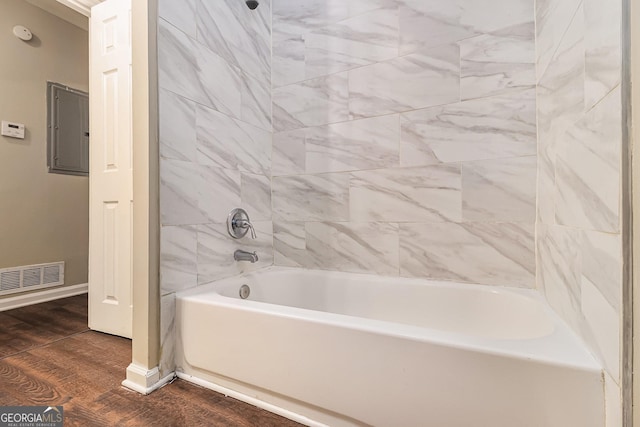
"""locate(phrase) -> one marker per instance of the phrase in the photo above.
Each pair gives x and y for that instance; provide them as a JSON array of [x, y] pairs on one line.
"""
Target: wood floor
[[48, 356]]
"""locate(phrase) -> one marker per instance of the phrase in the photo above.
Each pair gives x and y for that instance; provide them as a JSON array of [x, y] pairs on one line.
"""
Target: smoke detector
[[22, 33]]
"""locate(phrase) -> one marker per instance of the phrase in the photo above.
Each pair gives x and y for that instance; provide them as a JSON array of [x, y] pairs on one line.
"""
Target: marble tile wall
[[579, 246], [405, 138], [215, 143], [463, 140]]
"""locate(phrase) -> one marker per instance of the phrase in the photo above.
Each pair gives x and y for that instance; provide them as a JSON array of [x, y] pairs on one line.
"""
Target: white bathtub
[[340, 349]]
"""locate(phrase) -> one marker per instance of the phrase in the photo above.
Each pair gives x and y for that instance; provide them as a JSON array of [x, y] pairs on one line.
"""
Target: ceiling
[[72, 11]]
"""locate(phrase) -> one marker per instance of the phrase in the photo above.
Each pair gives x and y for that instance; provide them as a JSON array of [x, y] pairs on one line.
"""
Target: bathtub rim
[[562, 347]]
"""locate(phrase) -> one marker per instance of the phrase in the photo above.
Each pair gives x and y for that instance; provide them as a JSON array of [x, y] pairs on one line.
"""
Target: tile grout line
[[506, 94]]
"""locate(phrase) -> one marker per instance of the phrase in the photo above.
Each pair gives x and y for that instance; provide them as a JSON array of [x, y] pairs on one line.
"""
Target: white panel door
[[110, 169]]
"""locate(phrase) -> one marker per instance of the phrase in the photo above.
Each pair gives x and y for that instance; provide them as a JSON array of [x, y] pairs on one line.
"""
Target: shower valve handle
[[239, 224], [244, 224]]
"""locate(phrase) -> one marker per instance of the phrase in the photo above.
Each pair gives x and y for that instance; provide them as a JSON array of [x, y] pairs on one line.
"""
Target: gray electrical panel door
[[68, 132]]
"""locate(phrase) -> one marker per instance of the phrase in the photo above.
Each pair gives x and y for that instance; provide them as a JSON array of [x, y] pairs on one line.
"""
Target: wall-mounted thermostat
[[12, 130]]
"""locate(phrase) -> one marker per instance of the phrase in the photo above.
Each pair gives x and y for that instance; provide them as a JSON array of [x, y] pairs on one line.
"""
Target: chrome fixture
[[240, 255], [238, 224]]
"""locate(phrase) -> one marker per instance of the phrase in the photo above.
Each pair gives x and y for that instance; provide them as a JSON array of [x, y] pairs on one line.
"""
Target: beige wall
[[43, 217]]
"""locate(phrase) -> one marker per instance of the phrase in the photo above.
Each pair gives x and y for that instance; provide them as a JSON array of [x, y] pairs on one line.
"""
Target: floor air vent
[[19, 279]]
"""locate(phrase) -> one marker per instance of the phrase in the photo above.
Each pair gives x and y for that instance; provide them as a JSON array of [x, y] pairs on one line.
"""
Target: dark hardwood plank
[[36, 325], [50, 358]]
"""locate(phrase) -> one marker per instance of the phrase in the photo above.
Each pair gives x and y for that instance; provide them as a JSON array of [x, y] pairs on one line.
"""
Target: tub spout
[[241, 255]]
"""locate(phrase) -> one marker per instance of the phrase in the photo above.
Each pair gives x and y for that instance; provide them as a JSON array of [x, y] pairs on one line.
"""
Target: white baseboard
[[250, 400], [145, 381], [31, 298]]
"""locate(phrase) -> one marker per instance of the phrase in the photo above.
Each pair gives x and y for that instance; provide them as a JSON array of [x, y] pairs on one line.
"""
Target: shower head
[[252, 4]]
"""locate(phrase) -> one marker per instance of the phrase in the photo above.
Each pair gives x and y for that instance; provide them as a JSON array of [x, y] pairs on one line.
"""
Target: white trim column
[[142, 374]]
